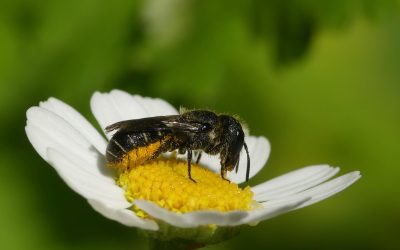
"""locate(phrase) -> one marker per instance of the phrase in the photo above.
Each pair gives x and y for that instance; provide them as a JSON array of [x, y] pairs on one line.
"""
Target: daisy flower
[[157, 196]]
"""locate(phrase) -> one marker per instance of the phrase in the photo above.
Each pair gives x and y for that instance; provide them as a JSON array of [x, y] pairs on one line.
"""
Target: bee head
[[233, 140]]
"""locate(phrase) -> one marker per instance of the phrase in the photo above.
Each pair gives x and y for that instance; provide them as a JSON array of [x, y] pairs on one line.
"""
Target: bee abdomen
[[131, 149]]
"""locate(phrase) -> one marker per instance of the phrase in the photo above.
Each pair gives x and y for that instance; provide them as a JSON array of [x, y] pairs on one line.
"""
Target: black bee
[[139, 140]]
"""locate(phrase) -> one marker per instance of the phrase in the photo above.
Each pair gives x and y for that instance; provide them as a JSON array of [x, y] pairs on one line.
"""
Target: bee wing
[[171, 123], [185, 126]]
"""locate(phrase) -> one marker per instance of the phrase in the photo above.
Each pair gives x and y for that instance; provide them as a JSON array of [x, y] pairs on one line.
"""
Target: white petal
[[117, 105], [76, 120], [46, 129], [156, 106], [191, 219], [74, 171], [327, 189], [123, 216], [294, 182], [268, 212], [290, 178], [211, 162], [259, 149]]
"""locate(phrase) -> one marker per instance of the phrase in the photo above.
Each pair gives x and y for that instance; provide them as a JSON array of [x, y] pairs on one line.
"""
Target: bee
[[139, 140]]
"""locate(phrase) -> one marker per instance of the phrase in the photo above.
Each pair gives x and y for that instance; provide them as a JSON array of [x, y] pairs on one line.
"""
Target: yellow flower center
[[166, 183]]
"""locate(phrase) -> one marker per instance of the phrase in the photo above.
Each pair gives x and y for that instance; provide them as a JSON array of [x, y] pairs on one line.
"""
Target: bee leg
[[189, 161], [223, 174], [165, 146], [198, 158]]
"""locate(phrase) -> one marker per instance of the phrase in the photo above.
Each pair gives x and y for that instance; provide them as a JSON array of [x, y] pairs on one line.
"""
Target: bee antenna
[[248, 162]]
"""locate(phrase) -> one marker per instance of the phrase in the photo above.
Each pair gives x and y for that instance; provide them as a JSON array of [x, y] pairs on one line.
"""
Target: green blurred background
[[320, 79]]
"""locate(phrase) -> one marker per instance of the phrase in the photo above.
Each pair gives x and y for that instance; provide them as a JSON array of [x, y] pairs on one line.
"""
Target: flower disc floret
[[166, 183]]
